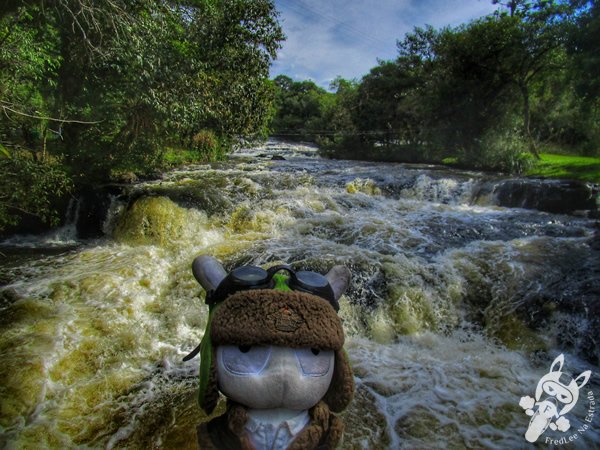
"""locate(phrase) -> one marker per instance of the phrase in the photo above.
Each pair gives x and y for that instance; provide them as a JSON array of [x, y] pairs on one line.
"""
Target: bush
[[208, 145], [30, 187], [505, 151]]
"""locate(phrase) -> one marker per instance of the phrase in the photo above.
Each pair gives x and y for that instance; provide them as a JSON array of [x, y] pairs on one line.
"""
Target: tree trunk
[[527, 120]]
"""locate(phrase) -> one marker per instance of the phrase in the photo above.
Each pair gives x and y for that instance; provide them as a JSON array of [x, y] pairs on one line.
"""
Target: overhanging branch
[[6, 108]]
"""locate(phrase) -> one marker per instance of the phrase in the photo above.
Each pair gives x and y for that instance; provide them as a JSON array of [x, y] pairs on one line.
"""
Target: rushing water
[[456, 309]]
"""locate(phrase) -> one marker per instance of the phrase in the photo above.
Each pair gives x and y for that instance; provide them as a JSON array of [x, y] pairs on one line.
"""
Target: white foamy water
[[454, 313]]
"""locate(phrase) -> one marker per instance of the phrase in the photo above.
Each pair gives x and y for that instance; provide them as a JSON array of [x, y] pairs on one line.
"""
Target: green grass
[[583, 168], [450, 160], [180, 156]]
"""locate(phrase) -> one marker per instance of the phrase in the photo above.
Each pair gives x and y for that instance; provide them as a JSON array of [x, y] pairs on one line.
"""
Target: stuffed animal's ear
[[339, 279], [208, 272], [341, 389]]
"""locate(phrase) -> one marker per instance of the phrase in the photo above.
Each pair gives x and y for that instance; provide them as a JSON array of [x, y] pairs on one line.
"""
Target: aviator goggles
[[252, 277]]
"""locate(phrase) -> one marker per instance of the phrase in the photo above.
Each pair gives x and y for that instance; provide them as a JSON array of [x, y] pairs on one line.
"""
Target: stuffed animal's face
[[266, 377]]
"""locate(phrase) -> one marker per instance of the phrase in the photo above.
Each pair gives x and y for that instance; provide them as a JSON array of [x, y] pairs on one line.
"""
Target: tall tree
[[108, 84], [299, 107], [535, 44]]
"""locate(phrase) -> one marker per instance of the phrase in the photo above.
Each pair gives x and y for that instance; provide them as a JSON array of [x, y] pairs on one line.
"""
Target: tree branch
[[24, 211], [52, 119]]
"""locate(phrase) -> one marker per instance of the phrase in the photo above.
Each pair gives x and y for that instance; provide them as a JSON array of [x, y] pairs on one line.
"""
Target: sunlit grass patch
[[567, 166]]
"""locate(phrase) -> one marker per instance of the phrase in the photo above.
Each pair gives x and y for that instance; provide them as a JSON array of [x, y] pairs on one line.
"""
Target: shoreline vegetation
[[106, 92], [92, 91]]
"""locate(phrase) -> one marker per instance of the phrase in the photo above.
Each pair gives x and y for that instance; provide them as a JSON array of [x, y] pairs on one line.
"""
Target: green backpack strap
[[205, 360]]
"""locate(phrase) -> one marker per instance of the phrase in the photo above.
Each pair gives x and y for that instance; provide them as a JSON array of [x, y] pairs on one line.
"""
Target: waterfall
[[456, 306], [63, 236]]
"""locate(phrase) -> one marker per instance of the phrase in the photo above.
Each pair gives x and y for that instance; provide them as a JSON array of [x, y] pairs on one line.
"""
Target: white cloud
[[330, 38]]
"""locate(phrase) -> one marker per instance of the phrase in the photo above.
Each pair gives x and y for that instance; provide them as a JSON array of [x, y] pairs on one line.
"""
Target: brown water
[[92, 333]]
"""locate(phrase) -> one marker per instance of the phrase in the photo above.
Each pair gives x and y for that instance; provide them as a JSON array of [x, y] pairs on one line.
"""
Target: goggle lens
[[311, 279], [249, 276]]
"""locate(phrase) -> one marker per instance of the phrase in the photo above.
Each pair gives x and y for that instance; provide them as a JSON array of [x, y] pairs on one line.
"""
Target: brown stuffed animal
[[274, 347]]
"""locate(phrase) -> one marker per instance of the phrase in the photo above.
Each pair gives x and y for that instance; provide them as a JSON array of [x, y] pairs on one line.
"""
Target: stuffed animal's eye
[[314, 362], [244, 359]]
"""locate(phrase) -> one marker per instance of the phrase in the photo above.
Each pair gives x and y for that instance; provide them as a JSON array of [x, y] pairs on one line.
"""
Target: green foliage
[[500, 149], [299, 108], [104, 87], [182, 71], [584, 47], [208, 146], [339, 135], [30, 187]]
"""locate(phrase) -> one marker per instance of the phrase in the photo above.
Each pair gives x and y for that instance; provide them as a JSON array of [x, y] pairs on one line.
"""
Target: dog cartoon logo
[[556, 394]]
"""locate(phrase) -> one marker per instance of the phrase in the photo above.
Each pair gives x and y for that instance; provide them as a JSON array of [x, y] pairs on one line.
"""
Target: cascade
[[458, 301]]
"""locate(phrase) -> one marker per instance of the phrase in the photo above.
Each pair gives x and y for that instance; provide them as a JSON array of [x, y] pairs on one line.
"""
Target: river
[[457, 306]]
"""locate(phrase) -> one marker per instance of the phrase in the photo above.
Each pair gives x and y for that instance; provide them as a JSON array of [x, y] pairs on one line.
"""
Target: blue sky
[[327, 38]]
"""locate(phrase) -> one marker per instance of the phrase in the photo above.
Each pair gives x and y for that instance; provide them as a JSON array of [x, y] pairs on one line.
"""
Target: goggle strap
[[193, 353], [273, 270], [211, 297]]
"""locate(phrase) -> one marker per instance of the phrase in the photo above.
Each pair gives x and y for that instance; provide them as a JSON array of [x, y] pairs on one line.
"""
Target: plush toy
[[274, 347]]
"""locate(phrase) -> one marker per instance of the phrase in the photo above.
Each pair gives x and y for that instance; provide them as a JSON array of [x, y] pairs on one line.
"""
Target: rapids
[[456, 309]]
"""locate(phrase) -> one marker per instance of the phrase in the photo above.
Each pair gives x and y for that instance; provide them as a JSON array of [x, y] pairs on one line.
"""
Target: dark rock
[[555, 196], [277, 158], [8, 297], [126, 178], [31, 224], [93, 207]]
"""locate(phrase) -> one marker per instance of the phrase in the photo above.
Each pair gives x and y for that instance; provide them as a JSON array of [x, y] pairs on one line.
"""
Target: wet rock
[[365, 186], [151, 220], [424, 429], [544, 296], [92, 210], [580, 303], [8, 297], [567, 307], [126, 178], [555, 196], [277, 158], [31, 224]]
